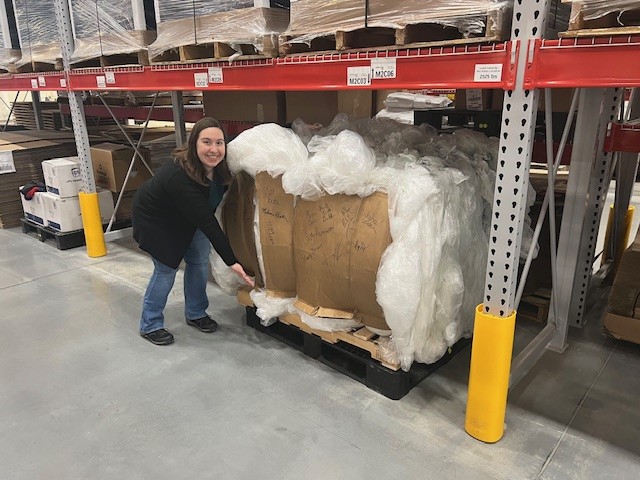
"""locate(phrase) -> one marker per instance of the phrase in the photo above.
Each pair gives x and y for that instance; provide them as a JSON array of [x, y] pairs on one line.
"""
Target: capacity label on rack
[[215, 75], [358, 76], [201, 80], [6, 163], [101, 81], [34, 83], [110, 77], [42, 81], [63, 82], [488, 72], [382, 68]]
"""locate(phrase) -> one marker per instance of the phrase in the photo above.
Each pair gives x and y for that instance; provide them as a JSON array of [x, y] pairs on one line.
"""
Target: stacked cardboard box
[[61, 201], [623, 317], [111, 162], [21, 155]]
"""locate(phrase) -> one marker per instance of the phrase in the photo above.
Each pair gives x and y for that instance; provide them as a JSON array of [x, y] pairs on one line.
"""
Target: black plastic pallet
[[353, 361], [61, 240]]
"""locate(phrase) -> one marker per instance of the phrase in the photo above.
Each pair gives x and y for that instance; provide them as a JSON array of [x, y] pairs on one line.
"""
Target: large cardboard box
[[110, 165], [238, 213], [34, 209], [275, 219], [338, 242], [473, 99], [62, 176], [622, 320], [63, 214], [125, 209], [322, 107], [248, 106]]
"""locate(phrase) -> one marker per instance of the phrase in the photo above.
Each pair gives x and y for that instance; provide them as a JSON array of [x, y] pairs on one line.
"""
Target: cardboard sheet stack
[[38, 32], [21, 155], [108, 27], [233, 22], [366, 222]]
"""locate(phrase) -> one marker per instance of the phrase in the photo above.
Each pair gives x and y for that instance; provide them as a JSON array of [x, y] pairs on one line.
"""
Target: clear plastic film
[[38, 32], [592, 9], [255, 26], [314, 18], [440, 193], [106, 27]]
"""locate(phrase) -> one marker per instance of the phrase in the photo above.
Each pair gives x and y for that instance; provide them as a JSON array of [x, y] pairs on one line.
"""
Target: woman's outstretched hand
[[237, 268]]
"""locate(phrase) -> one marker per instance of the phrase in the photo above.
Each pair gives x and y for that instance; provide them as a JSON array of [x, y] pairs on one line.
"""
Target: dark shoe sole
[[157, 341], [193, 324]]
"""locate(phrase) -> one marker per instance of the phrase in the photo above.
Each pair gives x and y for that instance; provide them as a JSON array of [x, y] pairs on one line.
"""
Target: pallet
[[220, 51], [138, 58], [612, 24], [418, 35], [62, 240], [351, 359], [36, 67], [535, 306]]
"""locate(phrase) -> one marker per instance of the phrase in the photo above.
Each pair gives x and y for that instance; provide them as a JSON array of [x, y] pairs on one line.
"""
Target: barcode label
[[6, 163], [201, 80], [215, 75]]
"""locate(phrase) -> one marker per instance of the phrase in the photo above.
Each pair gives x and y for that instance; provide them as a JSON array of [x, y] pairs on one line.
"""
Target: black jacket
[[167, 210]]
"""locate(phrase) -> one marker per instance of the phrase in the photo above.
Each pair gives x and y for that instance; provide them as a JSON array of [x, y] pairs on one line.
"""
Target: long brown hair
[[186, 156]]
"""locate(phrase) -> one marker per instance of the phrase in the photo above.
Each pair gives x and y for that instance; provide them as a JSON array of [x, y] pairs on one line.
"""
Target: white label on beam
[[382, 68], [101, 81], [34, 83], [215, 75], [6, 163], [358, 76], [42, 81], [110, 77], [488, 72], [201, 80], [63, 82]]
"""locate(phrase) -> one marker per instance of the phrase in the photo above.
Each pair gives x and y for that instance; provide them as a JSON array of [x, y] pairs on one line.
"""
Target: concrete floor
[[82, 396]]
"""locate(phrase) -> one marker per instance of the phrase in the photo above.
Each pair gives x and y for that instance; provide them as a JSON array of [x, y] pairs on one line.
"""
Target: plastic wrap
[[236, 27], [106, 27], [592, 9], [440, 193], [314, 18], [38, 32]]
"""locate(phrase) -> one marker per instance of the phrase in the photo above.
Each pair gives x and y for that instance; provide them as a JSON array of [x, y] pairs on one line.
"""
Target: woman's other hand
[[237, 268]]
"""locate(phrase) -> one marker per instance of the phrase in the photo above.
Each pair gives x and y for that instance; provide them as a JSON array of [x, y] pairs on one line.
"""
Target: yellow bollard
[[623, 240], [491, 351], [92, 224]]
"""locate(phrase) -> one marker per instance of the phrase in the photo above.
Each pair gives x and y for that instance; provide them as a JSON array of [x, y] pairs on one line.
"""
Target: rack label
[[382, 68], [110, 77], [215, 75], [34, 83], [101, 81], [358, 76], [488, 72], [201, 80], [63, 82], [6, 163], [42, 81]]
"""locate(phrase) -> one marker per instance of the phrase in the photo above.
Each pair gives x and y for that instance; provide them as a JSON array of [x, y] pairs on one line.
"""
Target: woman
[[173, 219]]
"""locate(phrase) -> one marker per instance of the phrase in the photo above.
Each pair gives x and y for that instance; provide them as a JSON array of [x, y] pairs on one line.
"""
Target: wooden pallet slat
[[618, 22]]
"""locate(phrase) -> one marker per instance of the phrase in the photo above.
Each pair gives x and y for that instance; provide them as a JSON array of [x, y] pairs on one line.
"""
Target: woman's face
[[210, 147]]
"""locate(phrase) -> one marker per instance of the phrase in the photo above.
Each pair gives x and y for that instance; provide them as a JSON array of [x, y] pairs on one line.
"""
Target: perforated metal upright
[[495, 318], [586, 194], [75, 98]]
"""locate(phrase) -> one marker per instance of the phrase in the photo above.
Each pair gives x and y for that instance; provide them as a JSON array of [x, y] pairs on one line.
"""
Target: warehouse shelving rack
[[522, 66]]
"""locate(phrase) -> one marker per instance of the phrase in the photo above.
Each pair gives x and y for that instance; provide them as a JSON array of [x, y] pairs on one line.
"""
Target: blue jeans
[[196, 275]]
